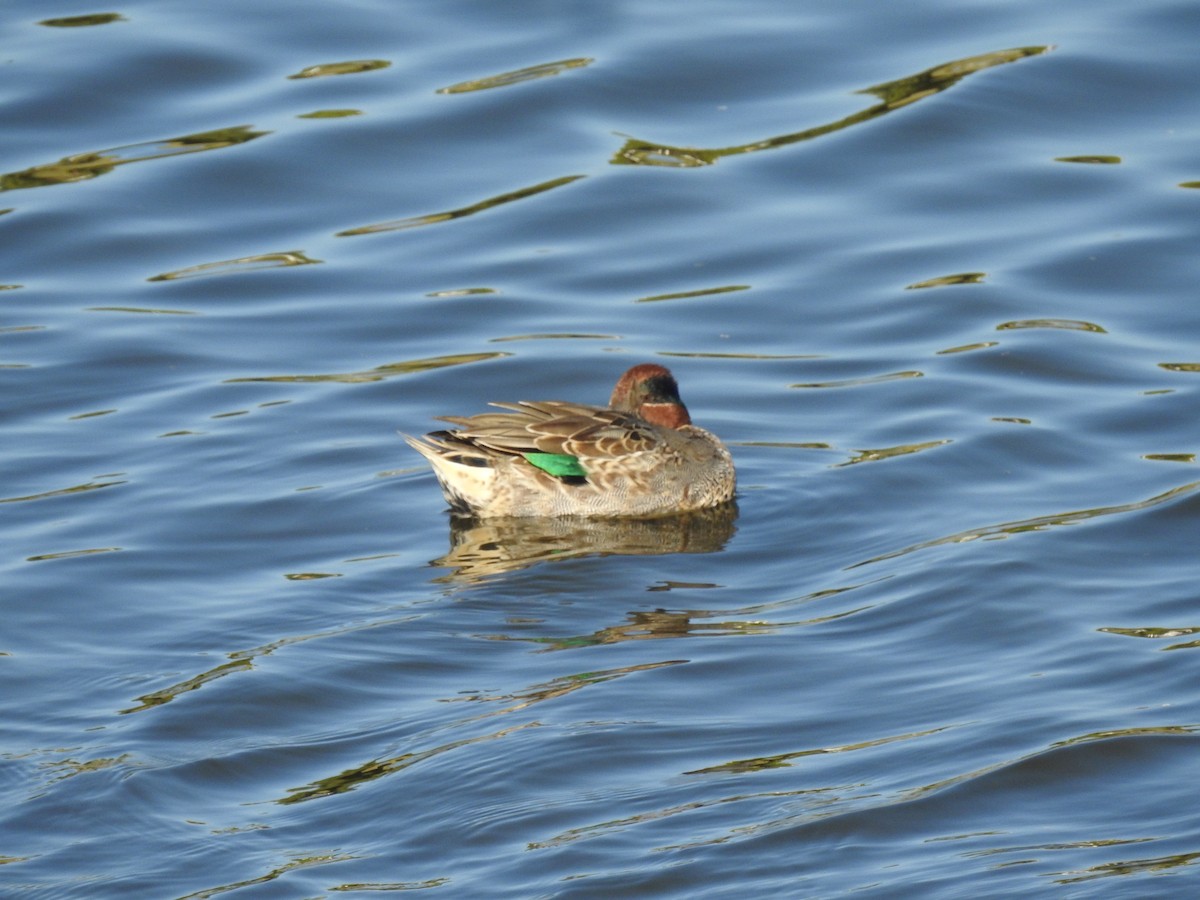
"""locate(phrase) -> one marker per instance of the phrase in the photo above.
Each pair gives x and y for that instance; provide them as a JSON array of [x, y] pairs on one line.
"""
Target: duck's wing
[[558, 427]]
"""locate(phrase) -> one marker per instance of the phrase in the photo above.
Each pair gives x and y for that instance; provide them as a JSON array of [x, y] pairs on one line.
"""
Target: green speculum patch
[[560, 465]]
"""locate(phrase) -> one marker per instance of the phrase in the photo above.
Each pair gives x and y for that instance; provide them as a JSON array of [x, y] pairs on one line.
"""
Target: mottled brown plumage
[[640, 456]]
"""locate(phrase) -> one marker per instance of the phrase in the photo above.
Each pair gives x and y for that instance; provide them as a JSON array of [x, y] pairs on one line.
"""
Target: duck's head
[[649, 391]]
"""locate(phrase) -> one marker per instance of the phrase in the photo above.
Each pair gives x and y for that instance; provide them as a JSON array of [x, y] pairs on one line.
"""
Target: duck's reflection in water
[[484, 547]]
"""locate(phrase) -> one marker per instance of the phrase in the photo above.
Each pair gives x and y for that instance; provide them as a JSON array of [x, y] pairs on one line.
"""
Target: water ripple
[[1038, 523]]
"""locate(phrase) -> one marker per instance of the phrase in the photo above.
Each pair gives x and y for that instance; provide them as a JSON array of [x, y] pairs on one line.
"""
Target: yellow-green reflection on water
[[893, 94], [330, 114], [391, 885], [967, 348], [1150, 865], [1057, 845], [1143, 731], [555, 336], [356, 776], [1065, 324], [84, 166], [702, 292], [946, 280], [784, 760], [379, 373], [820, 796], [72, 554], [861, 456], [242, 264], [167, 694], [462, 292], [61, 492], [1159, 634], [352, 778], [1037, 523], [659, 624], [859, 382], [517, 76], [83, 21], [90, 415], [748, 356], [143, 310], [68, 768], [238, 661], [435, 218], [350, 67], [300, 862], [791, 445]]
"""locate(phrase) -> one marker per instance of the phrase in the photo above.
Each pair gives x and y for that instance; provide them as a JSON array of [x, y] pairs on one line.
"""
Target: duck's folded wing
[[553, 426]]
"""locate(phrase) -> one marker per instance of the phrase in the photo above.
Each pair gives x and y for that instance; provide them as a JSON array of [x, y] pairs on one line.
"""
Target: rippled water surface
[[929, 269]]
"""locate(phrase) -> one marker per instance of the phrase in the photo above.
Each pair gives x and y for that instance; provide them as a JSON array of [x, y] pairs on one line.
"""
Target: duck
[[640, 456]]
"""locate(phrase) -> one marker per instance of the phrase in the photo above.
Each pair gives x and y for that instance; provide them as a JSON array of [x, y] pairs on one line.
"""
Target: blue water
[[928, 269]]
